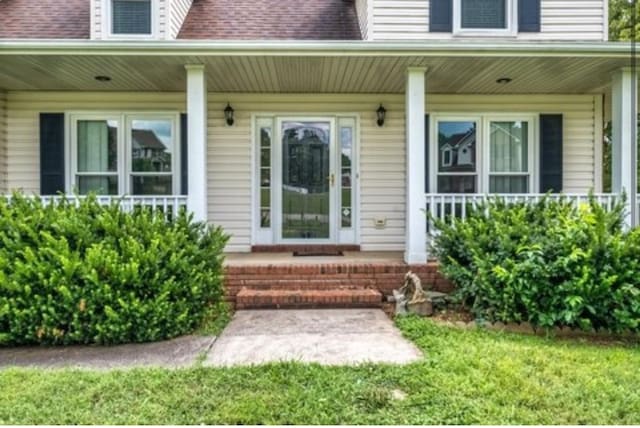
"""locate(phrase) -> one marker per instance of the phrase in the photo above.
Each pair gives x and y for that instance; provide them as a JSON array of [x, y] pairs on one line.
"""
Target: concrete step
[[251, 298]]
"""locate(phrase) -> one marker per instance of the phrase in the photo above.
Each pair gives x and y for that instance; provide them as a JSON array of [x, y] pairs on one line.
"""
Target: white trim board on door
[[270, 233]]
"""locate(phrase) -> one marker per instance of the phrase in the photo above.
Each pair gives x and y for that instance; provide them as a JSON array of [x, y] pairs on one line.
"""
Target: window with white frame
[[131, 17], [483, 154], [457, 166], [124, 154], [485, 16], [509, 169]]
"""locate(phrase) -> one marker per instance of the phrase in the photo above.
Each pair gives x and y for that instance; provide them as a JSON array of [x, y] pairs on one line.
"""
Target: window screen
[[484, 14], [131, 16]]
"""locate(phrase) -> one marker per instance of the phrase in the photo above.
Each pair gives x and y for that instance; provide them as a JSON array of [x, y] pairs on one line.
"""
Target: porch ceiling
[[256, 73]]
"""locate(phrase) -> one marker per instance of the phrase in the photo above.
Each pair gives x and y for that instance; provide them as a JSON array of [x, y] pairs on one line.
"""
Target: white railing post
[[197, 140], [416, 225]]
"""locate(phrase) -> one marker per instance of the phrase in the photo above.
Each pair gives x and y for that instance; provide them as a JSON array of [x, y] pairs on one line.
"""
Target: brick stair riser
[[382, 277]]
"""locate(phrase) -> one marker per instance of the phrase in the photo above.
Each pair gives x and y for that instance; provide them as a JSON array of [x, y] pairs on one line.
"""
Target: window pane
[[346, 153], [346, 143], [456, 146], [152, 185], [105, 185], [509, 147], [509, 184], [131, 16], [151, 145], [484, 14], [457, 184], [97, 146], [265, 176]]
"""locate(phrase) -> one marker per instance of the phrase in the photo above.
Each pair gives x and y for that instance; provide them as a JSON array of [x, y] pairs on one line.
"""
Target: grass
[[215, 320], [468, 377]]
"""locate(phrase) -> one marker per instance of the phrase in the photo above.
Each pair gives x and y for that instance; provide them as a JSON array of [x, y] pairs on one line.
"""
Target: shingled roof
[[207, 20], [271, 19], [44, 19]]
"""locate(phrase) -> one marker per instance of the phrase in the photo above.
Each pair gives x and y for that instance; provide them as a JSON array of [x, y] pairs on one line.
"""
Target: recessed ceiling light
[[503, 80], [103, 78]]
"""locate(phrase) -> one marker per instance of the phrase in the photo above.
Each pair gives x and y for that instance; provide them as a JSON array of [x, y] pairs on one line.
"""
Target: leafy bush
[[548, 263], [88, 273]]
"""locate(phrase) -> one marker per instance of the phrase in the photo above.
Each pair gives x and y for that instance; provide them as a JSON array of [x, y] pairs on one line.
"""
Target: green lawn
[[469, 377]]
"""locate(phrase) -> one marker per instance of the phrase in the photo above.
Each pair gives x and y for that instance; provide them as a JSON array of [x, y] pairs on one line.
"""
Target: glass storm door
[[308, 180]]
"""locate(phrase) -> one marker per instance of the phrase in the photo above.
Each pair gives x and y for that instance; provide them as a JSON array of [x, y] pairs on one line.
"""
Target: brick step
[[249, 298], [265, 282], [329, 269]]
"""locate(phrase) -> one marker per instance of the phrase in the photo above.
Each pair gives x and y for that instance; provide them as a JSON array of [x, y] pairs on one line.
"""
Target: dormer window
[[484, 17], [483, 14], [131, 18]]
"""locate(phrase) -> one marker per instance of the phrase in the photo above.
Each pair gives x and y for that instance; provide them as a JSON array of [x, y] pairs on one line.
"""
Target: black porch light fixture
[[228, 114], [103, 78], [381, 113], [503, 80]]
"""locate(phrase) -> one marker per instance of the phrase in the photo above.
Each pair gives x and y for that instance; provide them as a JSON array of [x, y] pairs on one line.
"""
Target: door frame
[[273, 234]]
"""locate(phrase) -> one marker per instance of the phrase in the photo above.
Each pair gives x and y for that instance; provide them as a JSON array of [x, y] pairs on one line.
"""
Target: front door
[[306, 175], [308, 180]]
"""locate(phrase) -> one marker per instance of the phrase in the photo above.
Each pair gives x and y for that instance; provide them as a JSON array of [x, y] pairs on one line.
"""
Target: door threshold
[[305, 249]]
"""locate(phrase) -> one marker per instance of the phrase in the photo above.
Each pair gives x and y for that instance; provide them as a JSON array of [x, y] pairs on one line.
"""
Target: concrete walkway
[[181, 352], [328, 336], [325, 336]]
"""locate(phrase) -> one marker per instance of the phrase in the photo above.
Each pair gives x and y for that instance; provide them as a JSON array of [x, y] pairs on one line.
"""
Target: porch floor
[[348, 257]]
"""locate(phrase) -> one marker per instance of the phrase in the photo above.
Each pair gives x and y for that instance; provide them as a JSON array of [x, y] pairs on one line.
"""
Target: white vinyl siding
[[381, 161], [3, 142], [178, 12], [560, 20], [382, 153]]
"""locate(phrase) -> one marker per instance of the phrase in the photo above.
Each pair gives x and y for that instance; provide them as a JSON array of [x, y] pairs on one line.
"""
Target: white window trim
[[483, 147], [124, 173], [107, 24], [511, 21]]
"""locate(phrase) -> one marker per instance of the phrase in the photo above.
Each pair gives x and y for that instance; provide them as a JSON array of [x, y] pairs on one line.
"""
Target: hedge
[[552, 264], [85, 273]]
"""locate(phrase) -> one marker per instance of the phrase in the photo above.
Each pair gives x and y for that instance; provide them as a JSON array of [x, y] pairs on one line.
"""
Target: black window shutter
[[441, 16], [426, 153], [551, 153], [529, 16], [51, 153], [184, 159]]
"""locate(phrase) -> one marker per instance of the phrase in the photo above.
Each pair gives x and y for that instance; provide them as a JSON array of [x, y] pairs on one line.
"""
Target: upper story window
[[131, 17], [483, 14], [485, 17]]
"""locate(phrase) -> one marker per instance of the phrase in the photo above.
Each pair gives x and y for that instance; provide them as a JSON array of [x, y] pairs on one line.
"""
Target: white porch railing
[[446, 207], [170, 204]]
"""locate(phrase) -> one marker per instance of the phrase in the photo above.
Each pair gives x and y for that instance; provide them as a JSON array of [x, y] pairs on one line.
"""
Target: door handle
[[332, 179]]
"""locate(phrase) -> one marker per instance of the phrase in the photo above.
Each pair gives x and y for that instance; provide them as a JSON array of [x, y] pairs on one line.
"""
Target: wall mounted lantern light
[[381, 113], [228, 114]]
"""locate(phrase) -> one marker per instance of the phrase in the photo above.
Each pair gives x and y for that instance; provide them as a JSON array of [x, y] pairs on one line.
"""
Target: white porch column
[[197, 140], [623, 133], [416, 225]]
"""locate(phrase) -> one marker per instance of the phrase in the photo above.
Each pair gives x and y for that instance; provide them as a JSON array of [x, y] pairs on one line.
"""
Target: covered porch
[[395, 172]]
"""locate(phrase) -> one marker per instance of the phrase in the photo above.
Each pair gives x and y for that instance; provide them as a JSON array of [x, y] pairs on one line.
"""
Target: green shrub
[[88, 273], [548, 263]]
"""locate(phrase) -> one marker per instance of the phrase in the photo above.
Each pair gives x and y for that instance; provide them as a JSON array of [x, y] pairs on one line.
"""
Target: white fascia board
[[315, 48]]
